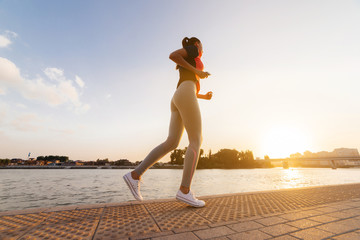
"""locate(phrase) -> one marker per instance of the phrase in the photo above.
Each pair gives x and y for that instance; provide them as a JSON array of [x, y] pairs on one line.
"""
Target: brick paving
[[326, 212]]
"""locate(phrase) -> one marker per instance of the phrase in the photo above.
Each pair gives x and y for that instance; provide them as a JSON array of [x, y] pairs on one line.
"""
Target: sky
[[94, 80]]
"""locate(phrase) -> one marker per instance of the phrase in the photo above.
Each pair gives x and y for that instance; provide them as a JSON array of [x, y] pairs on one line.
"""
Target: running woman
[[185, 112]]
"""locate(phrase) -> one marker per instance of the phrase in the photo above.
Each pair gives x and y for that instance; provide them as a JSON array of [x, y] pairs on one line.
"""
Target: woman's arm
[[179, 56]]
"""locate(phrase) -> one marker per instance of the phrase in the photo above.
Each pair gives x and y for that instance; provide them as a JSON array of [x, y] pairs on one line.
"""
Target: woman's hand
[[206, 96], [202, 74], [209, 95]]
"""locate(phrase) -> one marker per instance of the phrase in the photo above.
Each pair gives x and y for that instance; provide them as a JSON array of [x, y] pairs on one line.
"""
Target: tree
[[177, 156], [308, 154], [4, 162], [296, 155], [226, 158], [102, 161], [201, 153], [247, 159], [266, 163], [52, 158]]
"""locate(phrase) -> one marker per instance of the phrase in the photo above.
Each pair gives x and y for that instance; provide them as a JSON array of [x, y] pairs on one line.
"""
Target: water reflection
[[291, 178]]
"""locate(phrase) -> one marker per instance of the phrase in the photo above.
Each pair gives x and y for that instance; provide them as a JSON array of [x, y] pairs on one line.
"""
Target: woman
[[185, 112]]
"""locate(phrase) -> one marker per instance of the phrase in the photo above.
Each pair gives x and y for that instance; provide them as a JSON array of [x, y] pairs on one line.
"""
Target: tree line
[[52, 158], [4, 162], [224, 158]]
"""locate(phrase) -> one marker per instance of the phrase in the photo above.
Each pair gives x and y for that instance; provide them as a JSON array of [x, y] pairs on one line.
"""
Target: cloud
[[11, 34], [79, 81], [26, 122], [9, 73], [4, 41], [18, 120], [55, 74], [54, 90], [63, 131], [20, 105], [5, 38], [3, 112]]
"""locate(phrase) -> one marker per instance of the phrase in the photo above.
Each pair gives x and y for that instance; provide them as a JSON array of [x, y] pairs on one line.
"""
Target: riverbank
[[133, 167], [305, 213], [84, 167]]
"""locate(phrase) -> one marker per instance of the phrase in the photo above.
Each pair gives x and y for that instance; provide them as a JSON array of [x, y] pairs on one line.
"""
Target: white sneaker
[[134, 186], [190, 199]]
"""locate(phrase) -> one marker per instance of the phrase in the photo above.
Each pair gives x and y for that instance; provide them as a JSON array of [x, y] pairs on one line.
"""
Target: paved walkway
[[328, 212]]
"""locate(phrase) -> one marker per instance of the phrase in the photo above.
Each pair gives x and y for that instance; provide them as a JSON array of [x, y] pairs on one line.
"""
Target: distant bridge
[[315, 159], [332, 162]]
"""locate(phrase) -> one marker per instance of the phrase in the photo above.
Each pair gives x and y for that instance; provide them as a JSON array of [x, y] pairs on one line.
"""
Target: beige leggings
[[185, 112]]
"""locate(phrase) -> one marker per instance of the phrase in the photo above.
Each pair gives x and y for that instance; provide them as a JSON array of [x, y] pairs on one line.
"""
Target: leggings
[[185, 112]]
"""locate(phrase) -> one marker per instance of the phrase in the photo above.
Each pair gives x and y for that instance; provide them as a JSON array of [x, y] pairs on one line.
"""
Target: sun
[[281, 141]]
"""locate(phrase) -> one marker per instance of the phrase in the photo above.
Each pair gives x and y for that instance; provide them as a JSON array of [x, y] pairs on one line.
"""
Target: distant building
[[338, 152], [328, 159], [53, 162], [323, 154], [79, 163], [16, 161], [346, 152], [40, 163], [295, 155]]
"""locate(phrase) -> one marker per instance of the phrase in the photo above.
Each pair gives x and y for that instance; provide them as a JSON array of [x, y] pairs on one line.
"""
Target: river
[[32, 188]]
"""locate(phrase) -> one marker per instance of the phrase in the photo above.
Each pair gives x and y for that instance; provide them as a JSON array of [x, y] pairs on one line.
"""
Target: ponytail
[[189, 41]]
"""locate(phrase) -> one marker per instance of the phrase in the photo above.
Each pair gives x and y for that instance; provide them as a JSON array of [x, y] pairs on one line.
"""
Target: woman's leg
[[176, 129], [188, 106]]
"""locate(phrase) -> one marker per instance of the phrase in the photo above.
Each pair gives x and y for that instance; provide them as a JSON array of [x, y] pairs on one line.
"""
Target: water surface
[[32, 188]]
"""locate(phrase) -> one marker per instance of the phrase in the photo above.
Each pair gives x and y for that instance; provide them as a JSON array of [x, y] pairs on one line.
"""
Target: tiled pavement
[[327, 212]]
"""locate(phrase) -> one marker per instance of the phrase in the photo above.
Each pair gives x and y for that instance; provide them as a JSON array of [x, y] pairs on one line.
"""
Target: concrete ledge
[[311, 212]]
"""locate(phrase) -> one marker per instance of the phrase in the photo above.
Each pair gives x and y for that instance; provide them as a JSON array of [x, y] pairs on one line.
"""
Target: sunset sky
[[93, 79]]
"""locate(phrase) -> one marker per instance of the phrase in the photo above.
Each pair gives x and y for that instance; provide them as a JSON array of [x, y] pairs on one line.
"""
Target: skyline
[[95, 81], [338, 152]]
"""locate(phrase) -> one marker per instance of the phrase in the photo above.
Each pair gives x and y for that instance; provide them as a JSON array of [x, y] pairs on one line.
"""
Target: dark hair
[[189, 41]]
